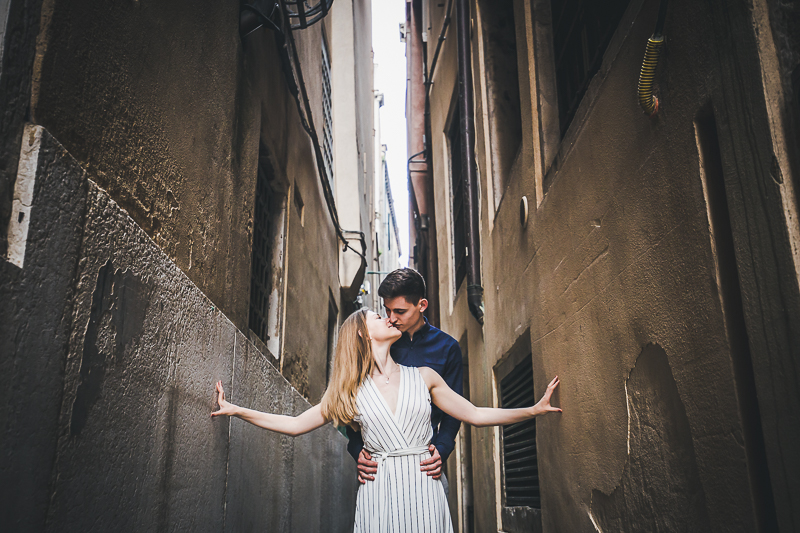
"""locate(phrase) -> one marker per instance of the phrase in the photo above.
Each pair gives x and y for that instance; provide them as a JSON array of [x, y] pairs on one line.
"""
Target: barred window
[[261, 272], [520, 464], [458, 208], [581, 33], [327, 112]]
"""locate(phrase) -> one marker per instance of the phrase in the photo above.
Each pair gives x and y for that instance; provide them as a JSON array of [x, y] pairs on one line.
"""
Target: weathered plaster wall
[[110, 353], [165, 107], [152, 99], [618, 256], [660, 476]]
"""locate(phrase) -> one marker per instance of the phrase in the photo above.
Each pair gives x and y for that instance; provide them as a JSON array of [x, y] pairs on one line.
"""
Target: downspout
[[467, 111], [419, 167]]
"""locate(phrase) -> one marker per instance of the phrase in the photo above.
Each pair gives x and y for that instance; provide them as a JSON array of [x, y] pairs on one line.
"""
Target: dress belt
[[379, 457]]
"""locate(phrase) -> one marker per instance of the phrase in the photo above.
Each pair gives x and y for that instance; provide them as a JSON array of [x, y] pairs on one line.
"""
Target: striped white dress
[[401, 499]]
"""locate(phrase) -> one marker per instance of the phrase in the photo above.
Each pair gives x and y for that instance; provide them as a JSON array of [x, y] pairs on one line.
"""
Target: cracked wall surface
[[660, 488], [617, 254], [110, 354]]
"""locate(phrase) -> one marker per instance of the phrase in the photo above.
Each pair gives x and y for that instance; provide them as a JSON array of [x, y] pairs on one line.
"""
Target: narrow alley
[[607, 192]]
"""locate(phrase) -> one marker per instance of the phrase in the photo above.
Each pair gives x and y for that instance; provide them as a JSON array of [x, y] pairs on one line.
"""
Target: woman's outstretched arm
[[288, 425], [459, 407]]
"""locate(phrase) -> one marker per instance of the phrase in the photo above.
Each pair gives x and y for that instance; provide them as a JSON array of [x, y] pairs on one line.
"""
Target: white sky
[[390, 79]]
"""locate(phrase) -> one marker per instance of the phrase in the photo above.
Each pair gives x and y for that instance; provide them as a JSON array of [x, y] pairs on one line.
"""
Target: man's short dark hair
[[405, 282]]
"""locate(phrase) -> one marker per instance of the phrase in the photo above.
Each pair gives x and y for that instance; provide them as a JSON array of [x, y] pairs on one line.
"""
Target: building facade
[[386, 233], [650, 260], [185, 195]]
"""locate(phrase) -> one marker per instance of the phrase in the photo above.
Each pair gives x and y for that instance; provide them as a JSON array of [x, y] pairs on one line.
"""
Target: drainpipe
[[420, 171], [467, 111]]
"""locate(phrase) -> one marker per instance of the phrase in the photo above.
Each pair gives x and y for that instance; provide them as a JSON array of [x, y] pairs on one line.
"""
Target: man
[[403, 293]]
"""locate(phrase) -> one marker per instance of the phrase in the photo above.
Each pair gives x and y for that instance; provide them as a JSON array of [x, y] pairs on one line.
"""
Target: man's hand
[[432, 466], [366, 467]]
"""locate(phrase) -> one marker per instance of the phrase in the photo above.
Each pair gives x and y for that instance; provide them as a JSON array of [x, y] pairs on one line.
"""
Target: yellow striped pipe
[[647, 99]]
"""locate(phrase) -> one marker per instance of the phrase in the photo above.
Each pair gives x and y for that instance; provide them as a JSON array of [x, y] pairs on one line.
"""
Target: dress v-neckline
[[399, 396]]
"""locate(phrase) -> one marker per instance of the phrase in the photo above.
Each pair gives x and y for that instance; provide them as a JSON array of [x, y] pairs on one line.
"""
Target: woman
[[392, 406]]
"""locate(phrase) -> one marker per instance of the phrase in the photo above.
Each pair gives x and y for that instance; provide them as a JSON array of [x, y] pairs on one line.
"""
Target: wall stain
[[119, 307], [660, 489]]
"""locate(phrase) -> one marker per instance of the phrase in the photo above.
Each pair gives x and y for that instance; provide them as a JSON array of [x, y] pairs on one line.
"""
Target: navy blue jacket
[[436, 349]]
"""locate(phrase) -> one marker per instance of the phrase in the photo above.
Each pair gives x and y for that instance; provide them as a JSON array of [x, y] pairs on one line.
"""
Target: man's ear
[[423, 305]]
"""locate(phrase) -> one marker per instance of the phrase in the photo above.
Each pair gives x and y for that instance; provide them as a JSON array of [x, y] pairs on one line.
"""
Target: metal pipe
[[469, 169]]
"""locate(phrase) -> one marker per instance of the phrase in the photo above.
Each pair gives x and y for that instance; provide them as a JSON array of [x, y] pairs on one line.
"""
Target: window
[[502, 83], [327, 112], [458, 208], [520, 465], [260, 274], [269, 227], [582, 30]]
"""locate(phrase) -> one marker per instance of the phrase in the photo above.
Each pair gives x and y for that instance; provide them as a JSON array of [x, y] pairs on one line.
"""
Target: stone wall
[[109, 356]]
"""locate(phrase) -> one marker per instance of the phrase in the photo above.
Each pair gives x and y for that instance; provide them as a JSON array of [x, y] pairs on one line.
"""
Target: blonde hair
[[352, 363]]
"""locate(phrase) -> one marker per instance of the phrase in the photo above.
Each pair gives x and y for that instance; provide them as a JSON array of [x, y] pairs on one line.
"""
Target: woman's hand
[[544, 404], [225, 408], [288, 425]]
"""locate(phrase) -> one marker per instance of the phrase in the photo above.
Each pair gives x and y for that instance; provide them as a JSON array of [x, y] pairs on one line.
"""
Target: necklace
[[392, 372]]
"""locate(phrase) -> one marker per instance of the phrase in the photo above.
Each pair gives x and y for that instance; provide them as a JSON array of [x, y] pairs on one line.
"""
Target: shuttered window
[[520, 466]]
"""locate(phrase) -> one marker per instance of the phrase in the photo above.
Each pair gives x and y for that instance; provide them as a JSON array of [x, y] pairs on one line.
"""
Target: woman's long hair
[[352, 363]]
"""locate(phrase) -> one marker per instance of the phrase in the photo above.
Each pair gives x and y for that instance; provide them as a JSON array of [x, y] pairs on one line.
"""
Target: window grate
[[520, 465], [458, 211], [582, 30], [260, 273], [327, 112]]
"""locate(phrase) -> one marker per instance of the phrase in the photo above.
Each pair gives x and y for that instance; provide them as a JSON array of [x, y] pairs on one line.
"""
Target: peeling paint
[[660, 489]]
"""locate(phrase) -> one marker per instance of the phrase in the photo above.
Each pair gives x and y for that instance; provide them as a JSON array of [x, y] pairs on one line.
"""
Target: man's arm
[[355, 443], [364, 463], [453, 375]]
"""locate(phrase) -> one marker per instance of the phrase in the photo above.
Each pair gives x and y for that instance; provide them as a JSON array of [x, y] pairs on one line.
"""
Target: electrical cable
[[297, 88], [440, 41]]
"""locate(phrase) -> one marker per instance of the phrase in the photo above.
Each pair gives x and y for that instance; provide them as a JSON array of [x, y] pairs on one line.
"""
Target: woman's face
[[381, 329]]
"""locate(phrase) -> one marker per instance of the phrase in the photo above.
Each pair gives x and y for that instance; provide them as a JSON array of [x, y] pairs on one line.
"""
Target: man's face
[[402, 313]]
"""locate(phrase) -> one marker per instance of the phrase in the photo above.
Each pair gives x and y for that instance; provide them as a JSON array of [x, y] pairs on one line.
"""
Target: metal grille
[[261, 274], [458, 211], [520, 466], [327, 112], [302, 14], [581, 33]]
